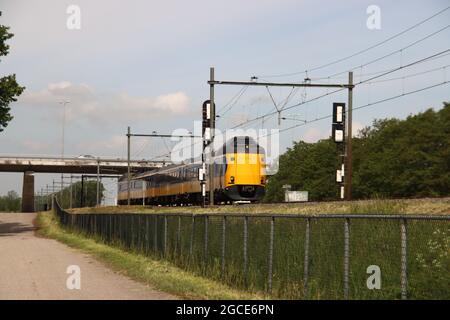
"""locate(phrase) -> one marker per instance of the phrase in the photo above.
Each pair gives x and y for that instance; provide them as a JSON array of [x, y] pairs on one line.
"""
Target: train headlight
[[232, 179]]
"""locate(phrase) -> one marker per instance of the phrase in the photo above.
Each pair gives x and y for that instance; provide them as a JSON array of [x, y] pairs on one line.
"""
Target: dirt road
[[35, 268]]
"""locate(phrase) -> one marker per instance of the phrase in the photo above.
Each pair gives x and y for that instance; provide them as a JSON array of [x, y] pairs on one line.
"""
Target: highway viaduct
[[31, 165]]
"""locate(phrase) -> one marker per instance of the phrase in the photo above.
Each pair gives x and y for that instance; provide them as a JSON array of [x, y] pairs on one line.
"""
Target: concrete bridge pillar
[[28, 192]]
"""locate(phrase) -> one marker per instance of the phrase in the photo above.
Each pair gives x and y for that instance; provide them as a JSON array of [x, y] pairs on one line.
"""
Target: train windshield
[[242, 144]]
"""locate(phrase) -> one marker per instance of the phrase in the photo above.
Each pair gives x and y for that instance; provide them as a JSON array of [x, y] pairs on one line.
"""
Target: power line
[[409, 76], [242, 91], [335, 91], [287, 108], [141, 149], [369, 73], [232, 98], [433, 56], [406, 66], [359, 52], [369, 104], [306, 122], [393, 52]]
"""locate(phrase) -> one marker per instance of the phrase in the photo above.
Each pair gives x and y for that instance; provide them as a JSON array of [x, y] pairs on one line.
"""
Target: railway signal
[[338, 134], [208, 124], [206, 120], [338, 125]]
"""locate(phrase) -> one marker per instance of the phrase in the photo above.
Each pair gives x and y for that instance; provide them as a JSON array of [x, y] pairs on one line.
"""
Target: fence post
[[205, 253], [404, 257], [224, 231], [142, 232], [146, 234], [245, 249], [191, 244], [110, 227], [155, 237], [132, 232], [306, 262], [269, 280], [165, 235], [178, 246], [346, 256]]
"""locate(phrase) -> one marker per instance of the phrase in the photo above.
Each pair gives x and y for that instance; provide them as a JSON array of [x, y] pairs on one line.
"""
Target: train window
[[247, 147]]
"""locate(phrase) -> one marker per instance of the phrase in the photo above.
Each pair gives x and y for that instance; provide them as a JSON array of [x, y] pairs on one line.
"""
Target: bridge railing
[[325, 256]]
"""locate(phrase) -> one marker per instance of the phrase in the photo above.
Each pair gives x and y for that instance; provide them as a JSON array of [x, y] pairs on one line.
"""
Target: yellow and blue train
[[239, 175]]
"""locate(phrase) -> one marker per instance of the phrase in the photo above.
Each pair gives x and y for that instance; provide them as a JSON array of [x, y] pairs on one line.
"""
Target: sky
[[145, 64]]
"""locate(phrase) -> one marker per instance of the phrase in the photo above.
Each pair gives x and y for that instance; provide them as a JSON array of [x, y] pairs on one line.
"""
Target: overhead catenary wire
[[405, 66], [358, 52], [341, 89], [361, 75], [434, 56], [241, 92], [369, 104], [407, 76], [142, 147], [306, 122], [391, 53]]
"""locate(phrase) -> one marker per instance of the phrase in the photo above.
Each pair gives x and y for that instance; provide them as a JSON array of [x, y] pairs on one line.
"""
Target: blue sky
[[146, 63]]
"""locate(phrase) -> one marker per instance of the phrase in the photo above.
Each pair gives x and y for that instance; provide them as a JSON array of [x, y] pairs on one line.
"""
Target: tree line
[[88, 193], [11, 202], [392, 158]]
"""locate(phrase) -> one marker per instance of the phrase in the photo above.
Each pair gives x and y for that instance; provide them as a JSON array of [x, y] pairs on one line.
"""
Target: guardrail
[[327, 256]]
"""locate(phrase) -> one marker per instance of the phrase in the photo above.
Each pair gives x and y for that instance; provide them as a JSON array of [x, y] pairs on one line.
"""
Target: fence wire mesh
[[291, 256]]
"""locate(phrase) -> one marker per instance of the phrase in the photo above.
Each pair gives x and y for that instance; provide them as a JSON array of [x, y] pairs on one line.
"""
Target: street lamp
[[63, 103]]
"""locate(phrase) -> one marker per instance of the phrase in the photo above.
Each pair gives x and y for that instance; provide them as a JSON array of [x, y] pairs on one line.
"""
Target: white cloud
[[356, 126], [87, 104], [313, 134]]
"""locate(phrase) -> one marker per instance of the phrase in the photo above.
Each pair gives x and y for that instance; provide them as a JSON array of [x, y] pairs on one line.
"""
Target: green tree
[[392, 158], [306, 166], [10, 202], [89, 195], [9, 88], [404, 158]]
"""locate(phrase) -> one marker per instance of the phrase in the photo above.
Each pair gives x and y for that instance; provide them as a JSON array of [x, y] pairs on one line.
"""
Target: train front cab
[[245, 177]]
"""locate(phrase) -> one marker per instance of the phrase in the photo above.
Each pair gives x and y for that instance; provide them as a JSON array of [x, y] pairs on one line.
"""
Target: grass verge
[[382, 206], [157, 273]]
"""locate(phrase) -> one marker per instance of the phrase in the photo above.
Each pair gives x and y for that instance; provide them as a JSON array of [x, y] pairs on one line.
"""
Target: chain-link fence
[[292, 256]]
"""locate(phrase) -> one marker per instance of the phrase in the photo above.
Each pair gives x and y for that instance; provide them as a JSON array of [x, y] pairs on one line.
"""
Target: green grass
[[372, 242], [408, 206], [160, 274]]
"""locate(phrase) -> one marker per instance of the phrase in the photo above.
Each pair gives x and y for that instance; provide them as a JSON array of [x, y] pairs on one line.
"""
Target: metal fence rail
[[291, 256]]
